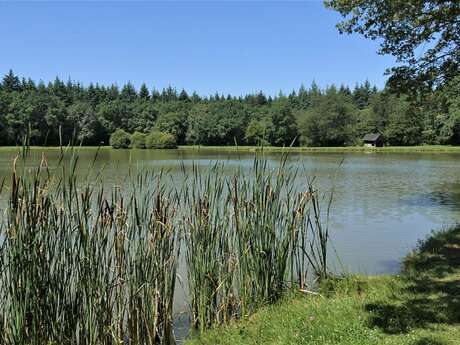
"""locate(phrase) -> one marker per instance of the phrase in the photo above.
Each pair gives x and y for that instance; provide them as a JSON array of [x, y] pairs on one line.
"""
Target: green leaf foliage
[[138, 140], [403, 27], [120, 139], [160, 140], [62, 113]]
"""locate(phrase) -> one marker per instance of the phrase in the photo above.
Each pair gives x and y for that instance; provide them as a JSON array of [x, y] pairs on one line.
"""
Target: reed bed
[[249, 236], [80, 264], [210, 258]]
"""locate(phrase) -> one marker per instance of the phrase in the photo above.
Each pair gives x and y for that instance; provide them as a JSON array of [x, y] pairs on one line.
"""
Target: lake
[[383, 202]]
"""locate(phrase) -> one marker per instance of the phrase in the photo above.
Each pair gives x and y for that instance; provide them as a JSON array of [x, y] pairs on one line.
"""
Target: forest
[[60, 112]]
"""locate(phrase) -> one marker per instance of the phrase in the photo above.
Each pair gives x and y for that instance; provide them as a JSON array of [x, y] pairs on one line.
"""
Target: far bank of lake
[[275, 149]]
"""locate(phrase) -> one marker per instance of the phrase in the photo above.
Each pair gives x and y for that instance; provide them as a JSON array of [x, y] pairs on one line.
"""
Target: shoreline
[[268, 149], [419, 306], [347, 149]]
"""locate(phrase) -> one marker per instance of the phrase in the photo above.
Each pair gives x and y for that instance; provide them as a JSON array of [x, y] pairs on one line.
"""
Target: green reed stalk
[[267, 213], [314, 242], [209, 259], [80, 264], [83, 266], [243, 234]]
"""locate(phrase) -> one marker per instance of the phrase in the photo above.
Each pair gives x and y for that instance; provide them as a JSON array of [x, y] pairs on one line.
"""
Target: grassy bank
[[272, 149], [348, 149], [421, 306]]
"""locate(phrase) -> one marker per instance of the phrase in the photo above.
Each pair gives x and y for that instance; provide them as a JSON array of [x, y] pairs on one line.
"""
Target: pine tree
[[128, 92], [195, 97], [113, 93], [144, 92], [155, 95], [183, 96], [11, 82], [260, 99], [28, 85]]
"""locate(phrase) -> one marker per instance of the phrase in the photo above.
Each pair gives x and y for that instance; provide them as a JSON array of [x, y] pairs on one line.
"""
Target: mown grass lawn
[[347, 149], [273, 149], [421, 306]]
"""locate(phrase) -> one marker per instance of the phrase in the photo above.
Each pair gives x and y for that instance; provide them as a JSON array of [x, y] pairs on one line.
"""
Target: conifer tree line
[[333, 116]]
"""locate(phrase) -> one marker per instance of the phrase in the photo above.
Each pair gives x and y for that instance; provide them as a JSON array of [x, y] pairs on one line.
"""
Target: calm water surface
[[384, 202]]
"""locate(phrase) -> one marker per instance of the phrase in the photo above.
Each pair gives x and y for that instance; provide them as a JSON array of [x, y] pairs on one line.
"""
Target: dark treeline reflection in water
[[84, 261]]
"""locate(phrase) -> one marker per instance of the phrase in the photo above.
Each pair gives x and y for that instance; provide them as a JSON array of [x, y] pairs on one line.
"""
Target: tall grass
[[267, 212], [209, 254], [81, 264], [248, 237], [313, 239]]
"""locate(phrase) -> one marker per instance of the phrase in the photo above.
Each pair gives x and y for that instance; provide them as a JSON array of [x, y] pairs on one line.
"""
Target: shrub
[[160, 140], [120, 139], [138, 140]]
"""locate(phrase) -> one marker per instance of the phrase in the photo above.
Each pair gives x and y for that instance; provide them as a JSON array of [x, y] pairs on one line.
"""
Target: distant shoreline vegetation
[[120, 139], [274, 149], [336, 116]]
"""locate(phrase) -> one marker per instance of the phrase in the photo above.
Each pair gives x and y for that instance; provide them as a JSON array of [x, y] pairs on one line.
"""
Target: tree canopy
[[63, 112], [423, 35]]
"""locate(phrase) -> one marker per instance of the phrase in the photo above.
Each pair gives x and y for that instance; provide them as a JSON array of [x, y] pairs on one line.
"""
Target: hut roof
[[371, 137]]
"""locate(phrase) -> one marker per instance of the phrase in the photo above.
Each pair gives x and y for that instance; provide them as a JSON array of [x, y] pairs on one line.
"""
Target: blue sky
[[226, 46]]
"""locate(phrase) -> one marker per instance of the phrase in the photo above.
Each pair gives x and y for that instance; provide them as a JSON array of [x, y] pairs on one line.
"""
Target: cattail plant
[[80, 265], [209, 252], [248, 236], [267, 214], [313, 237]]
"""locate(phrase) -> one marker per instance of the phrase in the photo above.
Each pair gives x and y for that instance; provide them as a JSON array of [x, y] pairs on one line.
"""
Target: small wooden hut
[[373, 140]]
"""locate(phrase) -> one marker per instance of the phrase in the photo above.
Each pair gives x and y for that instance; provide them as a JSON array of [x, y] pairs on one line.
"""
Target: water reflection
[[383, 203], [434, 199]]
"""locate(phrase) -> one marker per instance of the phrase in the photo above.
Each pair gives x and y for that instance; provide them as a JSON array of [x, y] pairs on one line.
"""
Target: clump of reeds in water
[[79, 265], [83, 265], [248, 237], [210, 258]]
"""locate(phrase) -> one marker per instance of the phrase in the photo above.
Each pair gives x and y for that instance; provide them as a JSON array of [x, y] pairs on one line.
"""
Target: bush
[[160, 140], [138, 140], [119, 139]]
